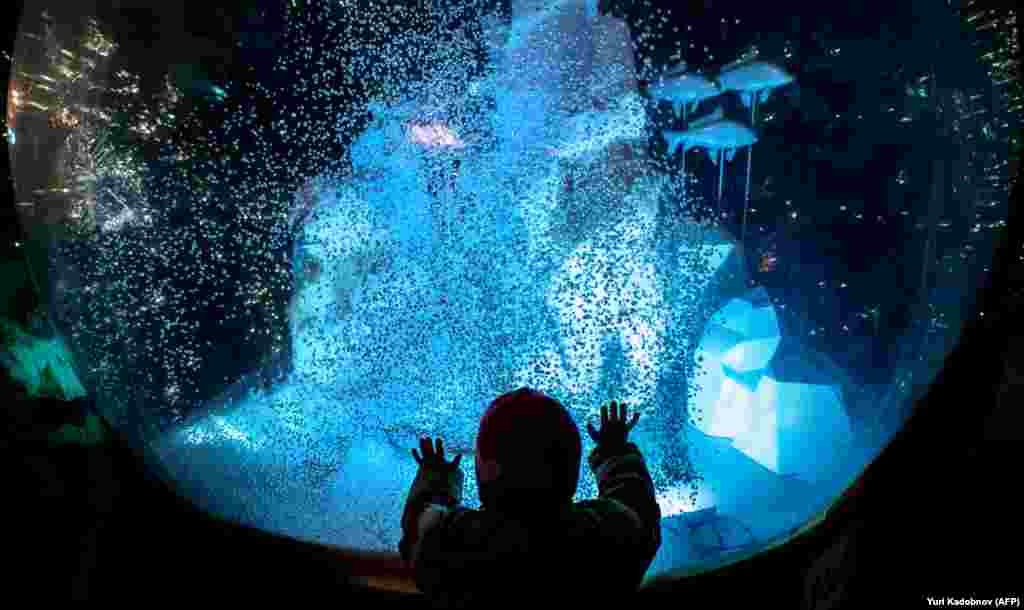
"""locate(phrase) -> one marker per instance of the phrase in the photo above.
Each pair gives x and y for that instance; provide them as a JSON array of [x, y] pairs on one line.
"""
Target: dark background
[[932, 516]]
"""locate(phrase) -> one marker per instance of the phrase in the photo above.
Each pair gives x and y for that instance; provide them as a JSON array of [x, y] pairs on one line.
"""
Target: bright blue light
[[435, 292]]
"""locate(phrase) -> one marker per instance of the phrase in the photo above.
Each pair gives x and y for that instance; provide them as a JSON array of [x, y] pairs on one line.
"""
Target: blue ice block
[[753, 322], [751, 355], [811, 422]]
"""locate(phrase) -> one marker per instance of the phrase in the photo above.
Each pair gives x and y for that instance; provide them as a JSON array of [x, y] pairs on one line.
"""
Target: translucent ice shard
[[745, 489], [749, 317], [810, 421], [772, 451], [751, 355], [777, 424]]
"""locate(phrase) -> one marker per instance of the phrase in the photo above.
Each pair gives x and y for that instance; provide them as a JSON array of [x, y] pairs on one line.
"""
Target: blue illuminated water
[[487, 287], [438, 292]]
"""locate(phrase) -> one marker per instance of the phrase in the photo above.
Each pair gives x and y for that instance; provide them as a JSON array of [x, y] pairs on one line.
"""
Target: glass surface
[[286, 240]]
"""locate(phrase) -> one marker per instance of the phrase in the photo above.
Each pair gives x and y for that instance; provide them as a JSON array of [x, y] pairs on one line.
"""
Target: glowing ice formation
[[756, 435], [592, 132], [536, 18], [740, 338]]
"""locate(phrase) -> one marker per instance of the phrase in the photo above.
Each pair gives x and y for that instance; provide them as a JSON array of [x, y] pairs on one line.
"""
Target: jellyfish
[[719, 136], [684, 91], [754, 81]]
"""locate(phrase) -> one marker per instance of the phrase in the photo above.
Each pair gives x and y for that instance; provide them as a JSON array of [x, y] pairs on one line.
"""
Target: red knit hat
[[528, 452]]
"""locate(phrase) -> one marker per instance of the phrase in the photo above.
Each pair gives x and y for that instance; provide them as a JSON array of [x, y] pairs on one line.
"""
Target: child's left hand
[[434, 458]]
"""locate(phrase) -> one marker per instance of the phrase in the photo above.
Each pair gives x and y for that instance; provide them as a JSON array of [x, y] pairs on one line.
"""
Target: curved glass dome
[[289, 239]]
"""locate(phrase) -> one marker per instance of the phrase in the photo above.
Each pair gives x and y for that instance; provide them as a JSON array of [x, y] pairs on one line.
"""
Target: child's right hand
[[614, 430]]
